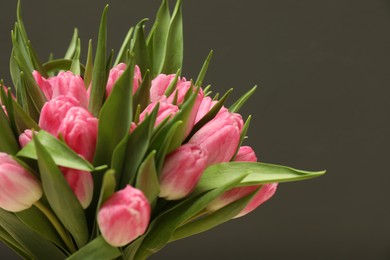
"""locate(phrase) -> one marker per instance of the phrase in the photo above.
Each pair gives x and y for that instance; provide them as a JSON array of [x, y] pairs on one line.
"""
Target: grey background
[[323, 103]]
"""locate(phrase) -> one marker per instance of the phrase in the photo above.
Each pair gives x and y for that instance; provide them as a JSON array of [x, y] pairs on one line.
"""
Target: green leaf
[[33, 243], [242, 136], [159, 40], [121, 57], [88, 66], [13, 244], [141, 96], [35, 60], [161, 229], [147, 179], [108, 186], [172, 86], [22, 120], [214, 219], [202, 73], [37, 221], [210, 115], [257, 173], [142, 55], [96, 249], [8, 142], [173, 58], [99, 74], [59, 151], [115, 117], [72, 45], [61, 197], [60, 64], [75, 67], [241, 101]]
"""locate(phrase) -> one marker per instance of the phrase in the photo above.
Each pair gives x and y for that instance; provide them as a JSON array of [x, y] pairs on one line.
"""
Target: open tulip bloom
[[120, 155]]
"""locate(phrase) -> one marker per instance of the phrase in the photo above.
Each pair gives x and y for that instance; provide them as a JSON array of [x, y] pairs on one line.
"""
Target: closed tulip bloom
[[25, 137], [219, 137], [54, 111], [181, 171], [205, 106], [245, 154], [165, 110], [124, 216], [19, 189], [79, 130], [81, 183], [43, 84], [115, 74], [159, 86]]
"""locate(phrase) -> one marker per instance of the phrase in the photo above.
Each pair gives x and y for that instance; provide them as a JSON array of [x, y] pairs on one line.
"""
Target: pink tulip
[[25, 137], [245, 154], [19, 189], [159, 86], [181, 171], [219, 137], [64, 84], [164, 110], [79, 130], [54, 111], [205, 106], [124, 216], [115, 74], [81, 183]]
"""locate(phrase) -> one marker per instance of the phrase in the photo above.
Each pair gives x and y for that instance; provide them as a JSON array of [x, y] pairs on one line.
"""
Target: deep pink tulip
[[19, 189], [81, 183], [219, 137], [79, 130], [54, 111], [124, 216], [25, 137], [115, 74], [245, 154], [181, 171], [165, 110], [64, 84]]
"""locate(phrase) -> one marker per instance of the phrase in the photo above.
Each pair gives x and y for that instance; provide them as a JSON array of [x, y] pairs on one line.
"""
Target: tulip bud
[[124, 216], [43, 84], [219, 137], [81, 183], [79, 130], [54, 111], [115, 74], [205, 106], [19, 189], [25, 137], [159, 86], [164, 110], [245, 154], [181, 171]]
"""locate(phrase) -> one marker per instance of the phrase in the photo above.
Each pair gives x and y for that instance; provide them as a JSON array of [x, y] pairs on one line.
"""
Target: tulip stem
[[57, 225]]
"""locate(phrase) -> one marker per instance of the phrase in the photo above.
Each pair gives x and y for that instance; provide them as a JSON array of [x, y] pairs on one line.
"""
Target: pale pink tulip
[[181, 171], [115, 74], [124, 216], [81, 183], [159, 86], [25, 137], [54, 111], [165, 110], [245, 154], [43, 84], [79, 131], [19, 189], [205, 106], [219, 137]]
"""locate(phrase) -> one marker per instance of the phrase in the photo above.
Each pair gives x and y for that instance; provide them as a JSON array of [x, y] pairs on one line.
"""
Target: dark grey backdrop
[[323, 103]]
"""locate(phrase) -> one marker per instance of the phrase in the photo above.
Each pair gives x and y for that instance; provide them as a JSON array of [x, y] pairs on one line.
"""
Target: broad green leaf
[[8, 100], [8, 142], [131, 250], [34, 244], [22, 120], [88, 66], [61, 197], [60, 64], [59, 151], [35, 60], [141, 96], [142, 55], [96, 249], [147, 179], [242, 136], [72, 45], [257, 173], [99, 74], [159, 40], [212, 220], [173, 58], [210, 115], [115, 117], [75, 67], [161, 229], [14, 69], [36, 220], [241, 101], [13, 244], [202, 73], [121, 57]]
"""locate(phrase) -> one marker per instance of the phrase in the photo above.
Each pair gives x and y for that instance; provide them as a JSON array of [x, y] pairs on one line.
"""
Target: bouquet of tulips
[[121, 155]]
